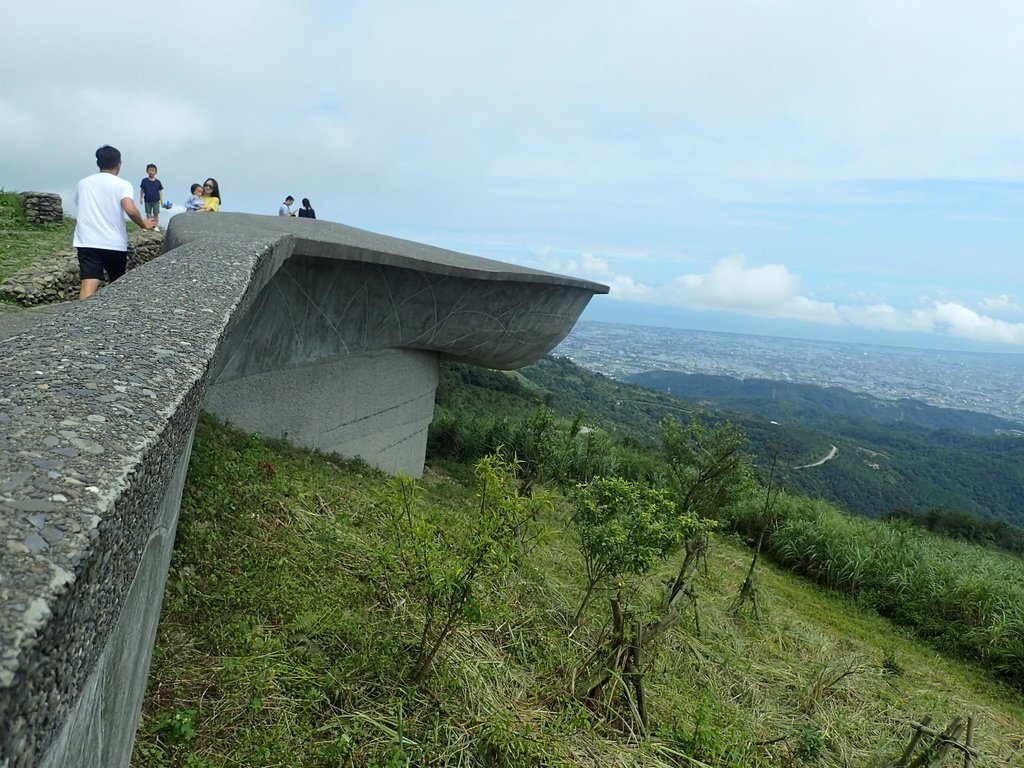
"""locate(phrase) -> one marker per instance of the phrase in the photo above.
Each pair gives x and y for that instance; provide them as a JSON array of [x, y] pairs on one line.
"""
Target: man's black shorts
[[93, 262]]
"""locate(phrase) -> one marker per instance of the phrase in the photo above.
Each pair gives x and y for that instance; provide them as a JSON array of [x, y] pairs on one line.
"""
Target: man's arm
[[128, 206]]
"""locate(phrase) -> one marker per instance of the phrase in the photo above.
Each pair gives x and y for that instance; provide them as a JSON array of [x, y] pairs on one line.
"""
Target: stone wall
[[43, 207], [54, 278]]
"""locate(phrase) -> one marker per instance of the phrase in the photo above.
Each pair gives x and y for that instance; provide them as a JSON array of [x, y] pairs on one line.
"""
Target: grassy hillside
[[880, 468], [286, 640], [954, 595], [558, 383]]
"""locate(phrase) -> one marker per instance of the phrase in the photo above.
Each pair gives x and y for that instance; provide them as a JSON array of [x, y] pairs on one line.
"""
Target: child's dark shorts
[[93, 262]]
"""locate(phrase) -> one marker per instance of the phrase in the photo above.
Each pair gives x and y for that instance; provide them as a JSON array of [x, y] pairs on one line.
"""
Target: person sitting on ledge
[[103, 200], [306, 211]]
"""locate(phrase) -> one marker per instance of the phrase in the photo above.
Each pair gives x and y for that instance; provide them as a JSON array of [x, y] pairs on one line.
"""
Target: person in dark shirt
[[306, 211], [151, 195]]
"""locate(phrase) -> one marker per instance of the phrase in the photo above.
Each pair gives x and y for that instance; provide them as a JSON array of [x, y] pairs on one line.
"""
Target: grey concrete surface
[[321, 333], [95, 732], [375, 405], [316, 237]]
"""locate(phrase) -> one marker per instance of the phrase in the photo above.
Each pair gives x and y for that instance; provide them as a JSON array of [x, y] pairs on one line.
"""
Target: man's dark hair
[[151, 165], [289, 198], [107, 157]]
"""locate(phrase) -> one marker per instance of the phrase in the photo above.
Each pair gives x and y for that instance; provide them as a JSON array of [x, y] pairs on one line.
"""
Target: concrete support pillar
[[375, 405]]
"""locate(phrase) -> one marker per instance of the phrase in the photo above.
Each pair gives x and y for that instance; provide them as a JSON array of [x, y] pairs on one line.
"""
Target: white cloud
[[638, 142], [888, 318], [965, 323], [730, 285], [1001, 305], [626, 288], [772, 291], [594, 266]]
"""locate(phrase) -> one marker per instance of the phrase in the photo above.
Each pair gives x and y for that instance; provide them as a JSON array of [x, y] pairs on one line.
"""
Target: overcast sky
[[850, 171]]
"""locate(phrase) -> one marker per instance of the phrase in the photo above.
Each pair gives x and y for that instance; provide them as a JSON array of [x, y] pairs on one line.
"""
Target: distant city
[[978, 381]]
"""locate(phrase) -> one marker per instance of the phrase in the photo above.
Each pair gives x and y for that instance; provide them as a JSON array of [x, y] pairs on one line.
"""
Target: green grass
[[281, 645], [22, 243]]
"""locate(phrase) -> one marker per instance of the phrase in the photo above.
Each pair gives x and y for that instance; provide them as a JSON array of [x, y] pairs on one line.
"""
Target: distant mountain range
[[807, 404]]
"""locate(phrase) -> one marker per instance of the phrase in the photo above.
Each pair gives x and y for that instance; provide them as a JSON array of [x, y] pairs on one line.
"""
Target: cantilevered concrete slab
[[352, 325], [304, 329]]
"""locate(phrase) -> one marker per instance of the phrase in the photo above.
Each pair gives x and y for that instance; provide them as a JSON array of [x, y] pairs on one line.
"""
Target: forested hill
[[816, 406], [879, 469], [892, 456]]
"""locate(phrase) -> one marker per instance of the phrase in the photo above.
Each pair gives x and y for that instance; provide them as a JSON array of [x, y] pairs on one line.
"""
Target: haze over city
[[795, 168], [975, 381]]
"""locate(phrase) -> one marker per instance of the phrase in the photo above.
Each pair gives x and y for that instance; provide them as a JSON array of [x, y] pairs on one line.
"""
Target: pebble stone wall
[[55, 277], [43, 207], [97, 408]]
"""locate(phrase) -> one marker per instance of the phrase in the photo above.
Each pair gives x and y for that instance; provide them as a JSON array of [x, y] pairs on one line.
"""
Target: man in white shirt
[[286, 207], [103, 202]]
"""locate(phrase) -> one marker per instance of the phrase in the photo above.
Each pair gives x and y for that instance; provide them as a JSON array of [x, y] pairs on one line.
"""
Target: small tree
[[624, 528], [440, 566], [707, 472], [776, 478], [707, 469]]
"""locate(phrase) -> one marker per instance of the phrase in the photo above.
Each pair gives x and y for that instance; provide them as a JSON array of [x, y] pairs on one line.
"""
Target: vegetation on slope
[[880, 470], [288, 638], [964, 599], [892, 456]]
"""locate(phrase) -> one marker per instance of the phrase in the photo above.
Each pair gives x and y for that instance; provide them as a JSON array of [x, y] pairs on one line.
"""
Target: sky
[[826, 170]]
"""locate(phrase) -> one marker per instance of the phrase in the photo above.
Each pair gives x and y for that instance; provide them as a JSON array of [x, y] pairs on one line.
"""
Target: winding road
[[831, 455]]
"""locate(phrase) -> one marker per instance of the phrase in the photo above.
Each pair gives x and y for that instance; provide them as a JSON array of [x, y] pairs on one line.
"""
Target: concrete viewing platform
[[324, 334]]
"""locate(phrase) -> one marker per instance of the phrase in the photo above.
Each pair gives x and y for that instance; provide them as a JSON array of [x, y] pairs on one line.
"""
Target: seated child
[[194, 201]]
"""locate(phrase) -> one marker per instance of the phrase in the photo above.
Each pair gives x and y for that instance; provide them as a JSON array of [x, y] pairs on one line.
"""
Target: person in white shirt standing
[[103, 202]]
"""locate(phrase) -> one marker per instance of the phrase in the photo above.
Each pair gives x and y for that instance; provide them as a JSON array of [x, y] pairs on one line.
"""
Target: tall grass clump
[[961, 597]]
